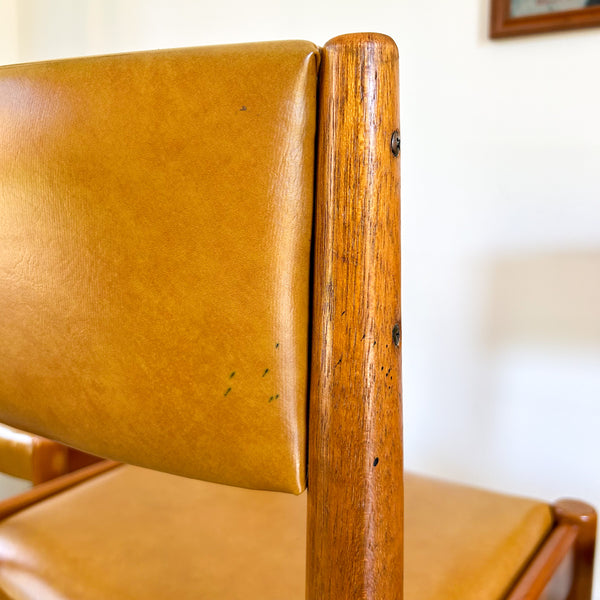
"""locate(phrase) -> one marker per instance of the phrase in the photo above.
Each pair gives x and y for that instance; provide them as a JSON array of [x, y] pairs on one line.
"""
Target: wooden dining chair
[[169, 299]]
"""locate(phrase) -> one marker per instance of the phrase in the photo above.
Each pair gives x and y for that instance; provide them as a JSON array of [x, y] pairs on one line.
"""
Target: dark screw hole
[[396, 335], [396, 143]]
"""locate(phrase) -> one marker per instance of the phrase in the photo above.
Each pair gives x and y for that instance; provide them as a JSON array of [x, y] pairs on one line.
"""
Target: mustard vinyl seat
[[136, 533]]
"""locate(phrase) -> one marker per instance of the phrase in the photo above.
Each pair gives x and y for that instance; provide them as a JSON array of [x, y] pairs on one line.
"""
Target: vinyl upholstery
[[155, 223], [230, 543]]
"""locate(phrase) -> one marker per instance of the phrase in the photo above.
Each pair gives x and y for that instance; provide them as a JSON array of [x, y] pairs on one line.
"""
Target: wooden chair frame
[[355, 507], [37, 459], [355, 499]]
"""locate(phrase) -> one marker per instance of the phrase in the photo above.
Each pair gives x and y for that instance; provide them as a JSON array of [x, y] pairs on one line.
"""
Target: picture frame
[[521, 17]]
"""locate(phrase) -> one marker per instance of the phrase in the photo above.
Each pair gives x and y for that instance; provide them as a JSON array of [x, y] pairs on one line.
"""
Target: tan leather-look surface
[[463, 543], [139, 534], [134, 533], [155, 222]]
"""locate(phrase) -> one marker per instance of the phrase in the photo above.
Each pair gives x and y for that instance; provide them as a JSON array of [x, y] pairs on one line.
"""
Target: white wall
[[501, 215]]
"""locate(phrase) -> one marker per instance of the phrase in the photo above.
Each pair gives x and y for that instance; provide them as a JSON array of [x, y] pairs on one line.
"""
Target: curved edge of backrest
[[155, 235]]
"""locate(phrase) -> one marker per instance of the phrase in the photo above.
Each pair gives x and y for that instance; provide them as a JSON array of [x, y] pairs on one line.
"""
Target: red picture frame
[[503, 24]]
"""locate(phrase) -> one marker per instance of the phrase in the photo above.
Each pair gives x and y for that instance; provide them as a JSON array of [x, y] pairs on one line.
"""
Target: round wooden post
[[355, 491]]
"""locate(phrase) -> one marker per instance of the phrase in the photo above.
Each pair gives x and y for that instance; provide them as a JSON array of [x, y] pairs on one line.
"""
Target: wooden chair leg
[[50, 460], [583, 516]]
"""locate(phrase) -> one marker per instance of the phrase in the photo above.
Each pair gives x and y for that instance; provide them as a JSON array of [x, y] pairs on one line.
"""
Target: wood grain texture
[[503, 25], [355, 493]]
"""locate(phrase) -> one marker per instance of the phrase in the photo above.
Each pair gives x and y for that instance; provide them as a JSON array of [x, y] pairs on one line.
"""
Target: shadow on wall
[[544, 300], [527, 370], [541, 342], [536, 408]]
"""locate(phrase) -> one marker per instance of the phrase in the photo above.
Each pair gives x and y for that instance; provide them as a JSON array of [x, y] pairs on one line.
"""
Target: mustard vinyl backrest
[[155, 225]]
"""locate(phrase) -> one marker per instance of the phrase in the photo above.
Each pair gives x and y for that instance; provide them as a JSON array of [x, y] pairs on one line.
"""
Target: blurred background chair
[[37, 459]]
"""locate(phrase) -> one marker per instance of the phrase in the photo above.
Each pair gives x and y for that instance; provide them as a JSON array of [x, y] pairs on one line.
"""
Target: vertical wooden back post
[[355, 503]]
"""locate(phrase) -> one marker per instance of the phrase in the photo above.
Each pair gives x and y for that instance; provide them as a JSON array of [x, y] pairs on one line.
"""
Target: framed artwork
[[519, 17]]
